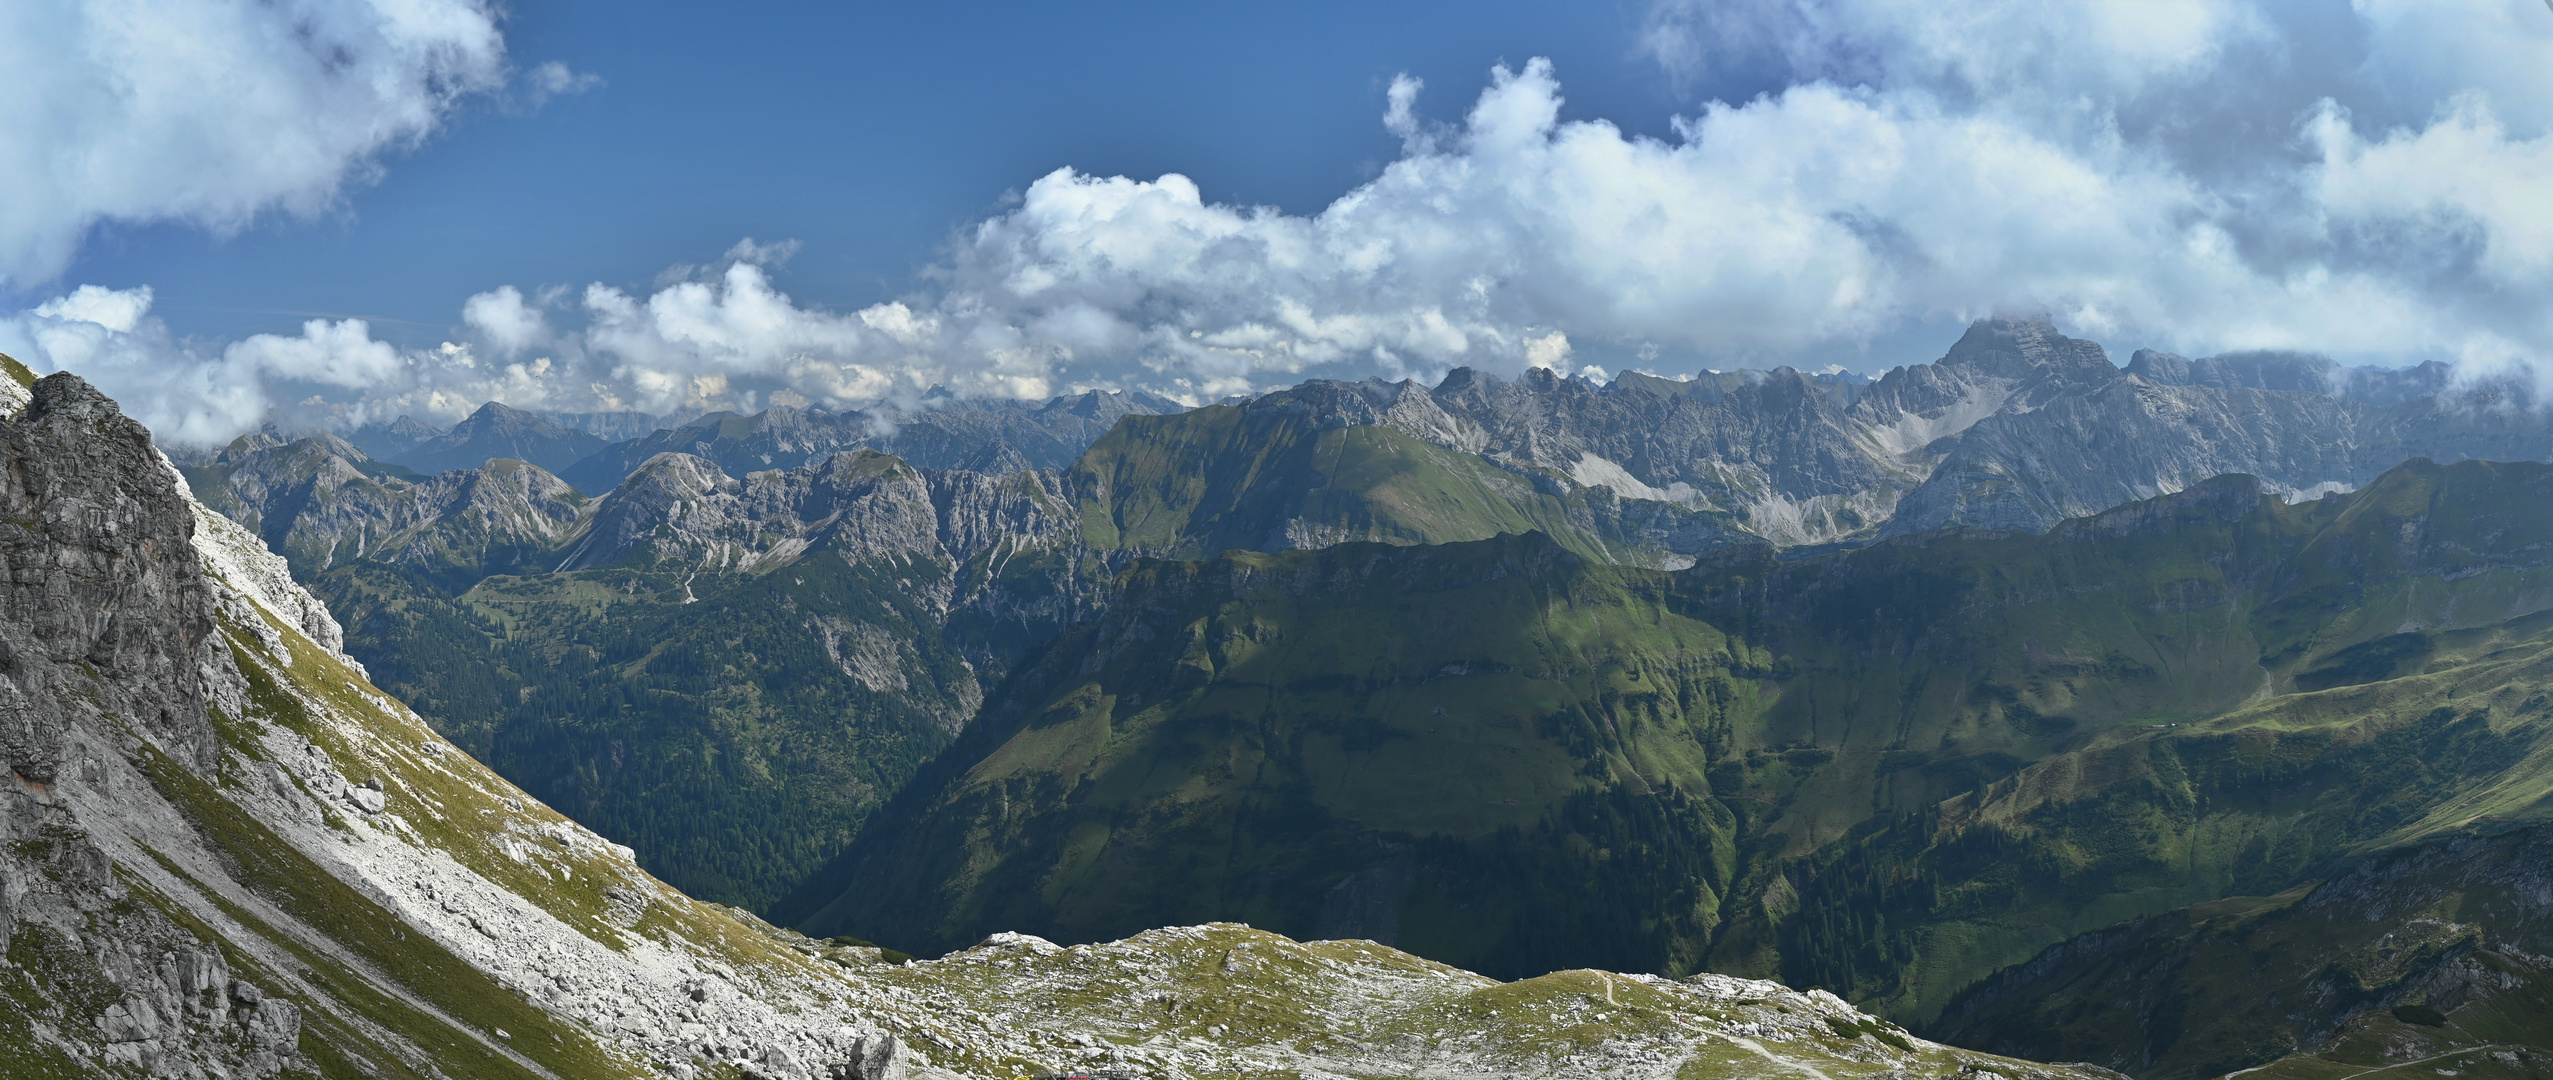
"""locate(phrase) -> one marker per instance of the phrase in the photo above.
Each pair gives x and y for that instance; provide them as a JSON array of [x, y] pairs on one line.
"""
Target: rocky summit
[[228, 854]]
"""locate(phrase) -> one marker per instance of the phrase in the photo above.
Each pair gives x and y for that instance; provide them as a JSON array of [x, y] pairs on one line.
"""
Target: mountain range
[[1912, 689], [229, 854], [1505, 755]]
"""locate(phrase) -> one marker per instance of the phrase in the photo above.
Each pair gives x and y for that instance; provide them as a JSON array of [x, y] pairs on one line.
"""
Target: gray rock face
[[974, 436], [2131, 439], [106, 639], [1004, 550], [103, 587], [860, 505], [320, 502], [2015, 427], [1803, 459], [874, 1057]]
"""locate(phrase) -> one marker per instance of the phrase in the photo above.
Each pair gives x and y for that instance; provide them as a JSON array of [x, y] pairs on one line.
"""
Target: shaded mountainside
[[2435, 954], [724, 674], [495, 430], [230, 855], [1889, 772]]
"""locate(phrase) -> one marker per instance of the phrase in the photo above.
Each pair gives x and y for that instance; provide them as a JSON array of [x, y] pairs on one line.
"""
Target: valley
[[229, 854], [1891, 688]]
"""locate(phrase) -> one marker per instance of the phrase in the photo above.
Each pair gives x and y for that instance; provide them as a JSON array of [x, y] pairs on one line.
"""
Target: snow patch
[[1819, 519], [2292, 496], [1912, 431], [1593, 471]]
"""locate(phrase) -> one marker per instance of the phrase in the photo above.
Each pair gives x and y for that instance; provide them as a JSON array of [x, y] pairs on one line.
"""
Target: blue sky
[[868, 133], [333, 212]]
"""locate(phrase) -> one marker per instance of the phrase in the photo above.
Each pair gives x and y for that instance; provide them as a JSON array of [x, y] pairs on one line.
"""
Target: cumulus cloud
[[183, 392], [1927, 163], [2194, 174], [215, 111], [2198, 175], [504, 320], [723, 337]]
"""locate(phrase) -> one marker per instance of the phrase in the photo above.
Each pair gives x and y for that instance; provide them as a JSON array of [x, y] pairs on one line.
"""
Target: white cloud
[[214, 111], [2195, 175], [115, 310], [507, 322], [2199, 175], [554, 79], [181, 392], [340, 354], [690, 344], [2421, 52]]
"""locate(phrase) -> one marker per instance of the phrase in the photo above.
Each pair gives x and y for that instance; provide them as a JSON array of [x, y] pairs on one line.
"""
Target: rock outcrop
[[2016, 427], [988, 436]]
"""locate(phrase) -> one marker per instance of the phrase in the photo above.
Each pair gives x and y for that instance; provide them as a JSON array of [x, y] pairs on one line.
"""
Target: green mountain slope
[[1505, 755], [2427, 960], [728, 673], [1263, 736], [1281, 474], [725, 675], [2359, 732], [228, 854], [2250, 803], [728, 695]]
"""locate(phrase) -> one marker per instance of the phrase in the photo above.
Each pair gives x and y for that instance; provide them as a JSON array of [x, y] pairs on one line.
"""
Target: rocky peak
[[860, 504], [505, 485], [103, 577], [1105, 406], [2028, 350], [1405, 406], [495, 430], [499, 416], [2221, 500], [669, 489]]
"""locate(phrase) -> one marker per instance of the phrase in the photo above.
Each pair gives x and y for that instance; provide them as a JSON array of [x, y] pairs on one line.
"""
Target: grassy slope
[[1833, 771], [717, 737], [377, 997], [1224, 478], [721, 742], [1281, 735], [2430, 957], [1907, 908]]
